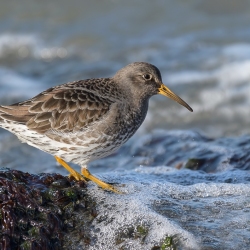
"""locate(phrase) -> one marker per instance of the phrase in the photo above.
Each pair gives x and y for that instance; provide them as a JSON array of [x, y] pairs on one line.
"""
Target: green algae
[[167, 243]]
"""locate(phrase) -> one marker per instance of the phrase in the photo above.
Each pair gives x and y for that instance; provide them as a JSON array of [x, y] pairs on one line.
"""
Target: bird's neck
[[139, 110]]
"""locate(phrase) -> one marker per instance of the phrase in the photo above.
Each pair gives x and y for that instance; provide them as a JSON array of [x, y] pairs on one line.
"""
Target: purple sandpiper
[[89, 119]]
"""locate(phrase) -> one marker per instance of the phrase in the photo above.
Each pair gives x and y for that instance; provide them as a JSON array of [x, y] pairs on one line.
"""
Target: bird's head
[[144, 80]]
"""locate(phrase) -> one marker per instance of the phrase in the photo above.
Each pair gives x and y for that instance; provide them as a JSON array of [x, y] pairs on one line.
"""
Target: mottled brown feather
[[42, 117], [63, 108], [50, 105], [35, 108]]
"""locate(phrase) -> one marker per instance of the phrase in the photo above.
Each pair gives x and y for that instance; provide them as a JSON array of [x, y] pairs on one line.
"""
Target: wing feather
[[59, 109]]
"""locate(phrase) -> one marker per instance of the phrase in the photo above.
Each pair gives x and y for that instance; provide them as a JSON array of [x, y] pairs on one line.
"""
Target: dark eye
[[147, 77]]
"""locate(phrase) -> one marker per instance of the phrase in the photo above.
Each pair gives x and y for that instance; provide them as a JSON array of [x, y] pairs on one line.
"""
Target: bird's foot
[[85, 172], [77, 176], [86, 175]]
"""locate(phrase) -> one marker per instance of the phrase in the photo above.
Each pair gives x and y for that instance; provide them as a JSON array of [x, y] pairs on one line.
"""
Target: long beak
[[163, 90]]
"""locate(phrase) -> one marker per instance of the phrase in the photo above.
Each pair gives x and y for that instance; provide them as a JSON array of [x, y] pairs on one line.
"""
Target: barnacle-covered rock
[[37, 211]]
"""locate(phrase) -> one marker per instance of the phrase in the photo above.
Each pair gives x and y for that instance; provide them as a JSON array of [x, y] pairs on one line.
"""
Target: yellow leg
[[102, 184], [73, 173]]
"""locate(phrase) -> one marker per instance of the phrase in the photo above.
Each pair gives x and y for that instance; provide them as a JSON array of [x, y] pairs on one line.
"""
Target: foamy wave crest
[[237, 51], [231, 73], [28, 45], [230, 66]]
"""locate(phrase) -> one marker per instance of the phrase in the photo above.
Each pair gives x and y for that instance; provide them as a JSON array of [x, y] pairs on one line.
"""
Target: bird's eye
[[147, 77]]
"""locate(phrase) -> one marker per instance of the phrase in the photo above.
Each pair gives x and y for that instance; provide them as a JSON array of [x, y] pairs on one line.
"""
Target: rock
[[37, 211]]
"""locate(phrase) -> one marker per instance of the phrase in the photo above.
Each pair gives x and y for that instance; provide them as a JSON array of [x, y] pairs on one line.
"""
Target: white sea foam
[[237, 51], [29, 45], [171, 209], [17, 43], [233, 73]]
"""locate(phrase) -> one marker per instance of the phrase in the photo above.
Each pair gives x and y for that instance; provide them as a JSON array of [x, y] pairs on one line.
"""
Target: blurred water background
[[201, 47]]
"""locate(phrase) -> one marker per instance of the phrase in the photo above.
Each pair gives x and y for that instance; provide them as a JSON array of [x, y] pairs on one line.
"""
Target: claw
[[85, 172]]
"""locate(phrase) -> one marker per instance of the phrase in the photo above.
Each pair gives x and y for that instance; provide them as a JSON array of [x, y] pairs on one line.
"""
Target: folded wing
[[62, 110]]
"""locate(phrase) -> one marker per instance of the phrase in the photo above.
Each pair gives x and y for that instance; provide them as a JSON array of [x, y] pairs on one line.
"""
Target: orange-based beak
[[163, 90]]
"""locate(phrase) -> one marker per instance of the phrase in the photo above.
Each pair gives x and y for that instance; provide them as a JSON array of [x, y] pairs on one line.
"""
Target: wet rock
[[37, 211], [49, 211], [184, 149]]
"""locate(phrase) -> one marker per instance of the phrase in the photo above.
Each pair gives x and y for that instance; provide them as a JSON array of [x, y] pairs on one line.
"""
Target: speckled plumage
[[88, 119]]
